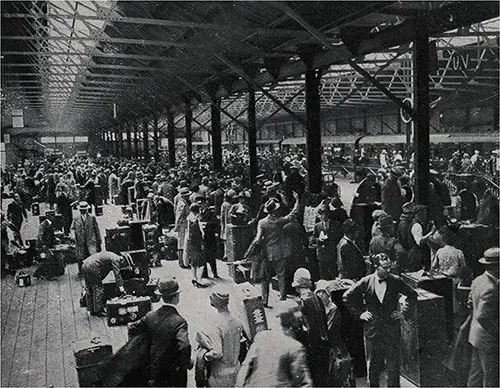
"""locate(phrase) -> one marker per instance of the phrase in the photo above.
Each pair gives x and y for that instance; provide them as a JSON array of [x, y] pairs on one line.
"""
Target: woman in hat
[[340, 370], [193, 244], [315, 337]]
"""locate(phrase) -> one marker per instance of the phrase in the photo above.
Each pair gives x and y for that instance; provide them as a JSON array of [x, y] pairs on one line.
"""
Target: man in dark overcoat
[[169, 347], [16, 213]]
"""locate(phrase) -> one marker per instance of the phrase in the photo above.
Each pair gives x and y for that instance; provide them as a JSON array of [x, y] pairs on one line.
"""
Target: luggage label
[[133, 309]]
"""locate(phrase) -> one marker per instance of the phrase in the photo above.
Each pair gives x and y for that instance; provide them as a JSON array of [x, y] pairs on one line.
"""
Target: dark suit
[[315, 339], [15, 214], [350, 260], [169, 347], [382, 333], [483, 335]]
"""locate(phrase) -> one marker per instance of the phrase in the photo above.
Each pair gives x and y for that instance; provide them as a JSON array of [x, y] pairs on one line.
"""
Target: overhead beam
[[140, 42], [103, 14], [98, 54]]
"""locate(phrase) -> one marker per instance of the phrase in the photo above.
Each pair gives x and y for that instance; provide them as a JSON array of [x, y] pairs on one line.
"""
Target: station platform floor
[[39, 323]]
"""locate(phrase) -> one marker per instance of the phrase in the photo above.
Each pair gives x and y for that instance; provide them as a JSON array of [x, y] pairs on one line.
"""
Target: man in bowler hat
[[169, 347]]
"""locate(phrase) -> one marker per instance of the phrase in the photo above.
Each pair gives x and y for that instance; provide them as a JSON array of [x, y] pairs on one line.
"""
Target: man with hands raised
[[374, 299]]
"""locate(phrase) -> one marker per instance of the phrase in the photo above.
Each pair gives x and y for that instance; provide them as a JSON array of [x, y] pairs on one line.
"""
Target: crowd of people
[[367, 250]]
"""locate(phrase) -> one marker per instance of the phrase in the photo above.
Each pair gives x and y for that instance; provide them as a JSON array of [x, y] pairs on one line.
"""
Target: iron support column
[[495, 119], [155, 139], [145, 140], [422, 117], [171, 139], [189, 134], [216, 135], [252, 137], [313, 130], [136, 138], [129, 140]]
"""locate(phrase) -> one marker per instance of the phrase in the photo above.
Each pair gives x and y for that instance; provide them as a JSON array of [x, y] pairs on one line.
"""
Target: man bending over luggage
[[95, 268]]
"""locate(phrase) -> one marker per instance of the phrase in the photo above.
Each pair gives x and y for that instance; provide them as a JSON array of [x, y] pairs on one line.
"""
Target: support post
[[313, 129], [120, 139], [189, 134], [129, 140], [155, 139], [252, 137], [136, 138], [171, 139], [216, 136], [422, 117], [145, 140]]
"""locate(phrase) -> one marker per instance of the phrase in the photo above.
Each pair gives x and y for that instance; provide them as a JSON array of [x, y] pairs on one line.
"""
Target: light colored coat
[[87, 236], [222, 340], [181, 213], [483, 333]]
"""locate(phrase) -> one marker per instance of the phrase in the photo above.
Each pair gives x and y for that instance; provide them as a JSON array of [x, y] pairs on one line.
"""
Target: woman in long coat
[[193, 244], [181, 213]]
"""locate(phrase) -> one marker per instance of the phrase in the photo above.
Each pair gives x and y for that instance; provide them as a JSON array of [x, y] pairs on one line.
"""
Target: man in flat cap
[[169, 348], [220, 341]]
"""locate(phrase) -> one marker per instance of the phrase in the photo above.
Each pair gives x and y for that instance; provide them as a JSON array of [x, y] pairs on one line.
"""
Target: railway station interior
[[250, 193]]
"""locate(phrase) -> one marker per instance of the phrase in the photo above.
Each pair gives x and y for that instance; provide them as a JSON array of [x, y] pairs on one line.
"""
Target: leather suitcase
[[127, 309], [137, 235], [117, 239], [90, 356], [139, 261], [58, 222]]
